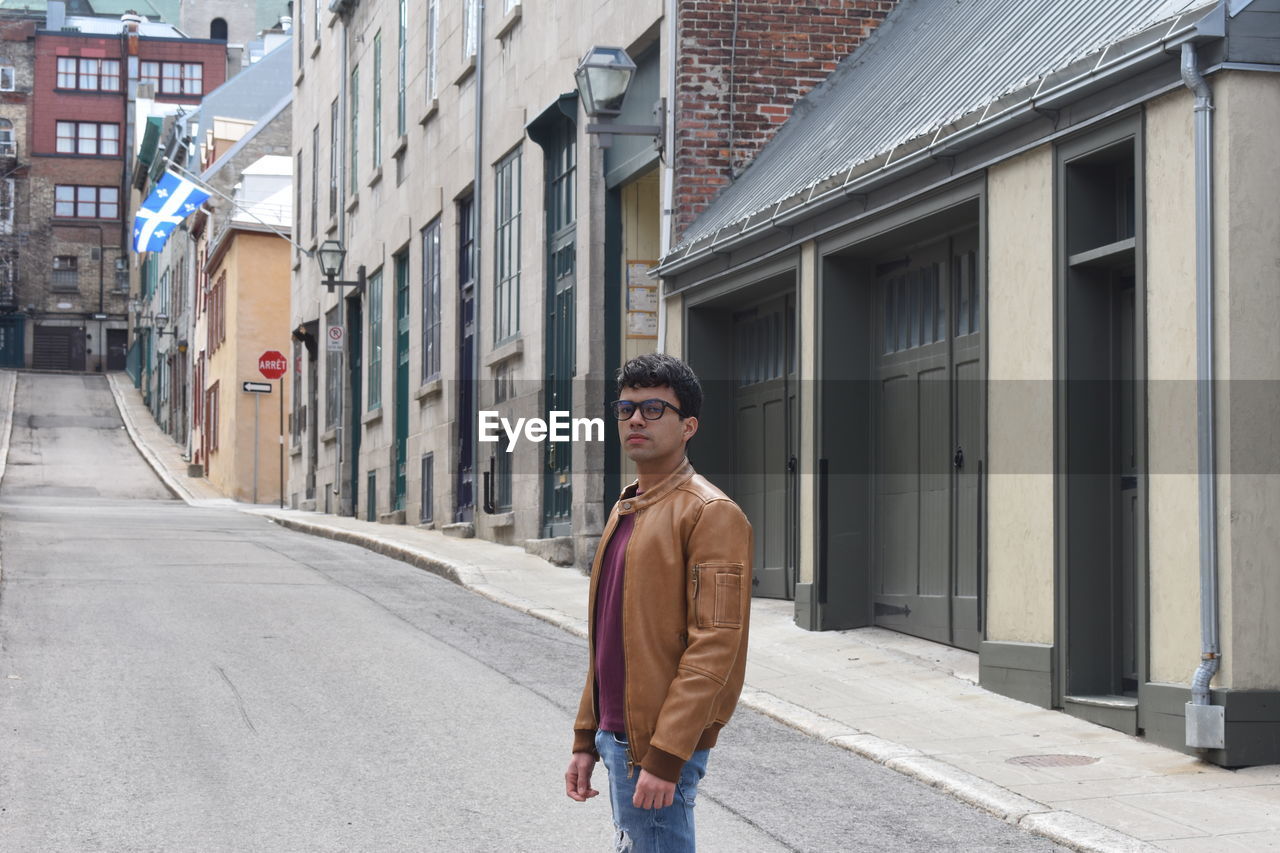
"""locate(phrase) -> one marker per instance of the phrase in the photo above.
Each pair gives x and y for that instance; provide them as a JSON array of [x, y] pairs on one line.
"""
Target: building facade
[[85, 79], [506, 250], [964, 331]]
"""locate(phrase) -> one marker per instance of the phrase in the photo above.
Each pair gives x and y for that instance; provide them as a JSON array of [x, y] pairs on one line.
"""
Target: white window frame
[[470, 29], [8, 78]]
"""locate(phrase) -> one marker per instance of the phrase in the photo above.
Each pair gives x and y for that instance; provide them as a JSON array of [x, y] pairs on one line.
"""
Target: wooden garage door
[[928, 442]]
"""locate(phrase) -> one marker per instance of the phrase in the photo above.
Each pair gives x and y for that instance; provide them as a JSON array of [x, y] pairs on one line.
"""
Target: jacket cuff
[[584, 740], [662, 764]]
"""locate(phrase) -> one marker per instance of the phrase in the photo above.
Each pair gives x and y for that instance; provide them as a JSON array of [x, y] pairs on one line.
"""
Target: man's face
[[655, 446]]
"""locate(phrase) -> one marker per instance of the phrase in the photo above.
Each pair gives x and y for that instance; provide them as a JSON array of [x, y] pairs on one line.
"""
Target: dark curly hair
[[656, 369]]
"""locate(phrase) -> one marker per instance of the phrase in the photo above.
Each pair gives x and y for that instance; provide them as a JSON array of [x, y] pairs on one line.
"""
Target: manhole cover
[[1051, 760]]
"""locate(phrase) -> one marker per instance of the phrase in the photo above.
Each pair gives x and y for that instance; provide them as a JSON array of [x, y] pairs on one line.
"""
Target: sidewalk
[[909, 704]]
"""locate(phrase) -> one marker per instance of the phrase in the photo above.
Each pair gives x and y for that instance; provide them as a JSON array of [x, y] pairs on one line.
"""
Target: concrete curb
[[1065, 828], [6, 431], [144, 450]]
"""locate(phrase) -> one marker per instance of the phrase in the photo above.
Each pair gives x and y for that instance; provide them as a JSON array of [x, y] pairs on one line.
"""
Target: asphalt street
[[191, 679]]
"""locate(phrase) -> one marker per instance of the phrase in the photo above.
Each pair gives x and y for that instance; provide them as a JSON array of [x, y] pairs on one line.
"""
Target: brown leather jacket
[[686, 602]]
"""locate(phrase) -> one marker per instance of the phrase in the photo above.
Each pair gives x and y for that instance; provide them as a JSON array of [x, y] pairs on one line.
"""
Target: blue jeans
[[668, 830]]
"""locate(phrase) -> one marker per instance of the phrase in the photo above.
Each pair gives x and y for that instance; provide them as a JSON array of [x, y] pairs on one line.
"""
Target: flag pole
[[198, 181]]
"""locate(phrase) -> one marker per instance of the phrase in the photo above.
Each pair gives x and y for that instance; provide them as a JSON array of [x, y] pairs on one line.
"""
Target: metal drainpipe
[[340, 429], [669, 167], [476, 232], [1210, 654]]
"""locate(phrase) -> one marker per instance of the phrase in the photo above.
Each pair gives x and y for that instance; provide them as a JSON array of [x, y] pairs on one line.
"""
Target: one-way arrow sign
[[257, 387]]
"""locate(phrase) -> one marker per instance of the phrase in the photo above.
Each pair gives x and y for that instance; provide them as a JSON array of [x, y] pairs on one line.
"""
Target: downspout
[[476, 232], [1210, 654], [668, 168], [340, 429]]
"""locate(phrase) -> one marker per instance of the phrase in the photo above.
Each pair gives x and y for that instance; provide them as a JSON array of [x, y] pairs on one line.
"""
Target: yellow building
[[247, 315]]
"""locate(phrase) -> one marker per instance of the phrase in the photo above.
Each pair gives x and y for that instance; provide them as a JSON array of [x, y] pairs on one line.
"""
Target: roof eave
[[1048, 94]]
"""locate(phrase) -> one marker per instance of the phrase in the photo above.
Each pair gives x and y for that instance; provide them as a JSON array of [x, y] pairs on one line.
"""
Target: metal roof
[[928, 64]]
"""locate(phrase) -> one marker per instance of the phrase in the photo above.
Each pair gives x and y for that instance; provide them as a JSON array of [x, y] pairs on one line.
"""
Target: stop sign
[[272, 364]]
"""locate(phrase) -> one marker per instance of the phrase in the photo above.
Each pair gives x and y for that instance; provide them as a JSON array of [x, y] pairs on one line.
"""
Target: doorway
[[927, 455], [765, 423], [1101, 428]]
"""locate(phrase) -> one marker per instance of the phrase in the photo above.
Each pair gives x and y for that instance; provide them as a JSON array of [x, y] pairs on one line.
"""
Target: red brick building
[[96, 80]]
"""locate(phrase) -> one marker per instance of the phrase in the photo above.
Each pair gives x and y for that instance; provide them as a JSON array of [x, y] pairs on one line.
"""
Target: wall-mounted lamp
[[603, 77], [162, 320], [332, 256]]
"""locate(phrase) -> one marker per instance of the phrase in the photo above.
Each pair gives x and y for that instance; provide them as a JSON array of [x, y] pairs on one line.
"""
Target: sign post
[[272, 364]]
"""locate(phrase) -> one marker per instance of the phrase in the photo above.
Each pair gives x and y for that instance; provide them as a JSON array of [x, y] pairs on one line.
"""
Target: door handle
[[791, 465], [957, 461]]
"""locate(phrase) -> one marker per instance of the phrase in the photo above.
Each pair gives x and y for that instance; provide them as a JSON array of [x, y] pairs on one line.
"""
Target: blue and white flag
[[173, 200]]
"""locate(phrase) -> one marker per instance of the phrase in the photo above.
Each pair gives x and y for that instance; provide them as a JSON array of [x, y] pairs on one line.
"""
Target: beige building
[[506, 243], [248, 315], [448, 156], [981, 318]]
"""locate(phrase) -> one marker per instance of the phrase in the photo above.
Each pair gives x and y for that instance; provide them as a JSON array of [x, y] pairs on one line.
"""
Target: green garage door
[[928, 442]]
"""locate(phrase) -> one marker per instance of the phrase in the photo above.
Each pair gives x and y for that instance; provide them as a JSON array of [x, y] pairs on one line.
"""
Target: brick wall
[[733, 94]]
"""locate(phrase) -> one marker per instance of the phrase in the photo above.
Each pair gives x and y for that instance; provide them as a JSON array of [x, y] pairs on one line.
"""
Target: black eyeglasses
[[650, 410]]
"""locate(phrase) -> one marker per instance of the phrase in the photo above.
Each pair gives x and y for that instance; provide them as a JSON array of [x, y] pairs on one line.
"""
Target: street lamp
[[332, 255], [603, 77]]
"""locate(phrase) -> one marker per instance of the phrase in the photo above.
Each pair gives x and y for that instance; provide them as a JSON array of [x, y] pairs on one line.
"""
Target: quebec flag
[[173, 200]]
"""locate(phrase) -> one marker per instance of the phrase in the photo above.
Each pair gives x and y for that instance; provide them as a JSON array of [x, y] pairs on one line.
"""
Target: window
[[466, 242], [86, 202], [506, 247], [332, 373], [377, 99], [315, 23], [7, 78], [355, 126], [173, 78], [88, 138], [95, 75], [296, 426], [433, 27], [335, 159], [8, 201], [211, 415], [216, 329], [315, 179], [297, 206], [218, 29], [375, 340], [66, 274], [471, 21], [401, 74], [431, 301], [8, 148], [428, 493]]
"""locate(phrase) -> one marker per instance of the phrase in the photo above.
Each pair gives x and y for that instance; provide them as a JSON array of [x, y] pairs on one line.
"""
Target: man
[[669, 605]]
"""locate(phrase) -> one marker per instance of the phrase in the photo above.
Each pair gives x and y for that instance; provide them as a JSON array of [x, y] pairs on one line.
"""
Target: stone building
[[505, 248]]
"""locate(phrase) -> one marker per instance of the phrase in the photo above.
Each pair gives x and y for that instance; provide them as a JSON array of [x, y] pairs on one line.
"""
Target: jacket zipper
[[626, 708]]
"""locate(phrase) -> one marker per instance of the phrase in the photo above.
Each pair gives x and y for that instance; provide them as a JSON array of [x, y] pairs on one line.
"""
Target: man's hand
[[652, 792], [577, 779]]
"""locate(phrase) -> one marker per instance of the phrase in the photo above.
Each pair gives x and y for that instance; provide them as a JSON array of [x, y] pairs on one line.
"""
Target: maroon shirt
[[611, 671]]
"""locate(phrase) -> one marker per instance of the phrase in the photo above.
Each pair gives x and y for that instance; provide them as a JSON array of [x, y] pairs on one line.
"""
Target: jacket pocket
[[717, 595]]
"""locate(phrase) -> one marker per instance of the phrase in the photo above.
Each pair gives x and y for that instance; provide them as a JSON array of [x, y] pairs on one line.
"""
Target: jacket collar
[[628, 502]]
